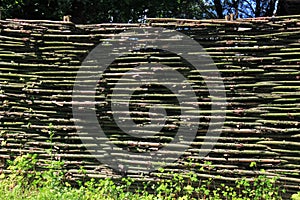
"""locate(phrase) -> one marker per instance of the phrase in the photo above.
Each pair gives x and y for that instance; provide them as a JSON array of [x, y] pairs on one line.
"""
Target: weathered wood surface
[[259, 60]]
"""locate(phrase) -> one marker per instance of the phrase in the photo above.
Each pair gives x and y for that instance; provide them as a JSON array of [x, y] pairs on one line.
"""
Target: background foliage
[[99, 11]]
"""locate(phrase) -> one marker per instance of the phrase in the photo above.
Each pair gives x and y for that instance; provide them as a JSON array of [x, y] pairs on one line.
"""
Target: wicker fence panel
[[259, 61]]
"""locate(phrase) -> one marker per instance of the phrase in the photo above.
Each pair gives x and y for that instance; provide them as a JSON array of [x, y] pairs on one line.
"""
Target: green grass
[[26, 181], [104, 189], [107, 189]]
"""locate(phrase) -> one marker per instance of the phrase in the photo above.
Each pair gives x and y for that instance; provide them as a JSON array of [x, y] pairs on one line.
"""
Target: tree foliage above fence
[[99, 11]]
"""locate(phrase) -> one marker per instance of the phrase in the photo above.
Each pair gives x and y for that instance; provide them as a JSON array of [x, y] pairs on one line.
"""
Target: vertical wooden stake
[[67, 18]]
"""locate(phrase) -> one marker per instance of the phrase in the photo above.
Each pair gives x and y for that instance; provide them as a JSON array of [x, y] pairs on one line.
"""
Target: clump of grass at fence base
[[26, 181]]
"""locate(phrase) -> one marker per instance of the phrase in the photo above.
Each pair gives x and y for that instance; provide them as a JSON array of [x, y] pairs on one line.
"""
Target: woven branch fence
[[258, 59]]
